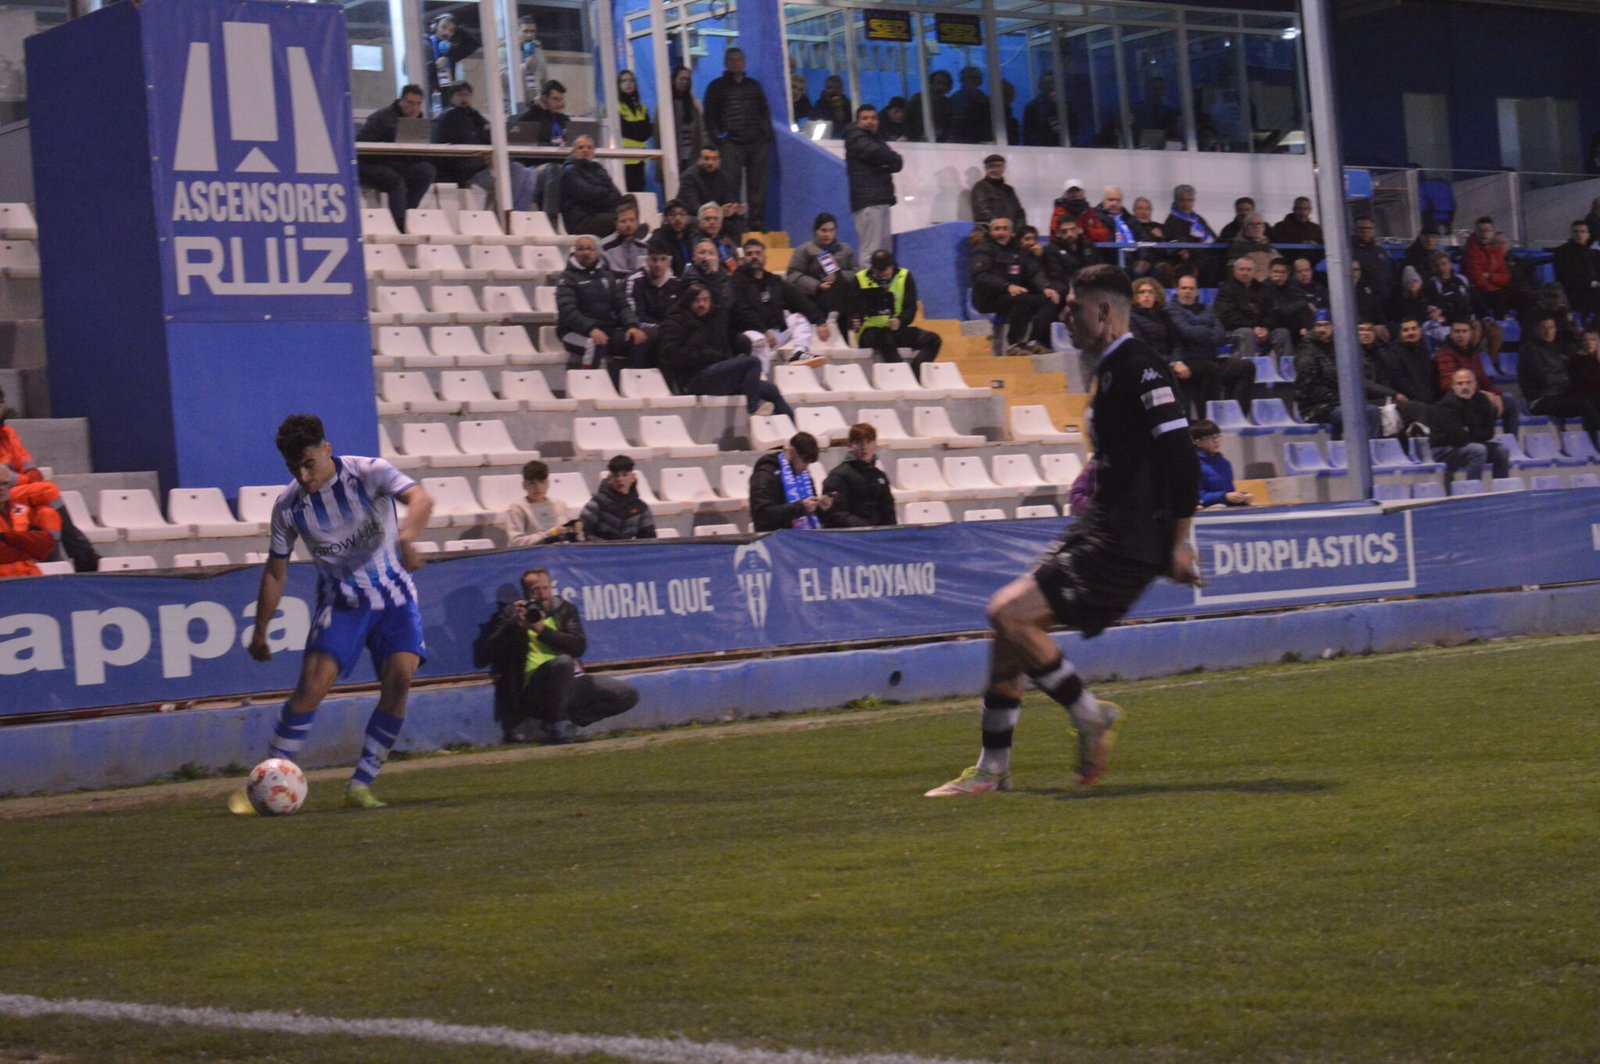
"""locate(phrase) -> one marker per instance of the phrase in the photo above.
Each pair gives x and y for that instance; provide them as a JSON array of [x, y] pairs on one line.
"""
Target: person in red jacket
[[1483, 260], [29, 524], [1459, 352]]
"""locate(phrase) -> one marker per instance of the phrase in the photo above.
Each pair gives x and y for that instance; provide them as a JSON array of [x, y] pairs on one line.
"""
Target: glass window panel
[[17, 24], [1090, 64], [1220, 115], [887, 71], [817, 59], [374, 81], [1028, 70], [1272, 74], [1150, 61], [1210, 18], [957, 76]]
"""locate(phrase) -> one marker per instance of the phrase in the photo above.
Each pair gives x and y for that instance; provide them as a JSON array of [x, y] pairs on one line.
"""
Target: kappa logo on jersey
[[1149, 375], [753, 565], [250, 226]]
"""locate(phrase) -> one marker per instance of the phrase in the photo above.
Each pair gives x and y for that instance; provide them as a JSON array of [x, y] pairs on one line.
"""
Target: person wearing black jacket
[[1147, 480], [589, 198], [465, 124], [1283, 304], [1462, 432], [1200, 372], [1239, 307], [859, 489], [533, 647], [884, 304], [1149, 321], [548, 114], [1006, 281], [993, 197], [616, 511], [1578, 270], [1316, 383], [729, 320], [651, 293], [447, 44], [593, 316], [707, 182], [1546, 382], [740, 122], [870, 165], [697, 361], [1068, 252], [1407, 366], [776, 311], [402, 179], [675, 236], [782, 491]]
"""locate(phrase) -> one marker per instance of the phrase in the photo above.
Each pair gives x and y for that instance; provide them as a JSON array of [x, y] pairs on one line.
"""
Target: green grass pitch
[[1391, 858]]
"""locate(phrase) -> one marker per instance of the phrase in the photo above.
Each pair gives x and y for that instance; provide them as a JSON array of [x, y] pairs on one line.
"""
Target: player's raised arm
[[274, 576], [418, 508]]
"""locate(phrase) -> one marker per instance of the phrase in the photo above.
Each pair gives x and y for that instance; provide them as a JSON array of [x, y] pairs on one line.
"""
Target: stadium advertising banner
[[254, 174], [74, 642]]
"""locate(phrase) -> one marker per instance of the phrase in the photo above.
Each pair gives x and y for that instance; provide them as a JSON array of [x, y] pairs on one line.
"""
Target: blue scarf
[[797, 486], [1197, 229], [1124, 234]]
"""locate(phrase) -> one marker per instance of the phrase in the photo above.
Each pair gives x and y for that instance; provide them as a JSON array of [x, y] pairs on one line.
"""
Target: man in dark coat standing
[[739, 121], [870, 165]]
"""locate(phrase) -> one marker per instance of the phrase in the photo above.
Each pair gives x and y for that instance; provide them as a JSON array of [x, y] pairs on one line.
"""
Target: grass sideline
[[1384, 858]]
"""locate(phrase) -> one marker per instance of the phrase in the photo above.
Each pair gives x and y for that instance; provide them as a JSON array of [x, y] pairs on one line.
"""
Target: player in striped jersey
[[343, 508], [1147, 483]]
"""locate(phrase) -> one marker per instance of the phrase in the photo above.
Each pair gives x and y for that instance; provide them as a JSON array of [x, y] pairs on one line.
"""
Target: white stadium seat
[[469, 389], [434, 227], [768, 432], [400, 393], [663, 507], [846, 381], [377, 227], [78, 509], [571, 489], [593, 389], [56, 568], [435, 443], [919, 480], [928, 513], [512, 345], [454, 501], [389, 453], [1043, 509], [933, 422], [201, 559], [691, 485], [136, 514], [459, 343], [946, 377], [826, 423], [895, 379], [497, 491], [535, 226], [670, 436], [984, 515], [544, 299], [1016, 471], [402, 304], [254, 504], [532, 390], [649, 386], [891, 433], [127, 563], [17, 222], [542, 260], [1032, 424], [205, 511], [970, 477], [458, 301], [484, 228], [457, 545], [1060, 469], [404, 345], [734, 481], [799, 384], [509, 301], [716, 530], [601, 437], [387, 263], [497, 260], [443, 263], [492, 440]]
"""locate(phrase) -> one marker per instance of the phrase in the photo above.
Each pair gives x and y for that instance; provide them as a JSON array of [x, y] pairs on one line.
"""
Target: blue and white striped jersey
[[350, 529]]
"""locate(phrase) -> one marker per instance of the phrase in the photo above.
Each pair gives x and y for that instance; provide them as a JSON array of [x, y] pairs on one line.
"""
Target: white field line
[[644, 1050]]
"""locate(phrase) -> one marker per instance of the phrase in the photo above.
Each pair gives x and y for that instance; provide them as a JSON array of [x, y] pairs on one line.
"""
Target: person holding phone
[[536, 518], [782, 492]]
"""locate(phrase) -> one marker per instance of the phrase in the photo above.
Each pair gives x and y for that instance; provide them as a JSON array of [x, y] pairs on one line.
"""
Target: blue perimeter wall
[[120, 751]]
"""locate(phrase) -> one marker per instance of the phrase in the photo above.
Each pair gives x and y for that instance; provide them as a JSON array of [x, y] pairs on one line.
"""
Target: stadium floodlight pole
[[1324, 143], [494, 103], [667, 130]]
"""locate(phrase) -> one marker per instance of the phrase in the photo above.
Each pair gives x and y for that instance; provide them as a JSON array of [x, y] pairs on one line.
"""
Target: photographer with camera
[[541, 692]]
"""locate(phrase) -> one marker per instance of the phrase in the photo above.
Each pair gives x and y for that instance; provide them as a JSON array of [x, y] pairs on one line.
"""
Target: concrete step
[[61, 443], [91, 484], [22, 344], [27, 391]]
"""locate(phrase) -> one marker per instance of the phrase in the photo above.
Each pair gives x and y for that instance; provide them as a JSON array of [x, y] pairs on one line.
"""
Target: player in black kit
[[1136, 529]]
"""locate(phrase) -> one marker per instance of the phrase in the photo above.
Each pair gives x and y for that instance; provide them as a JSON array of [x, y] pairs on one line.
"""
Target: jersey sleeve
[[1163, 411], [281, 531], [381, 478]]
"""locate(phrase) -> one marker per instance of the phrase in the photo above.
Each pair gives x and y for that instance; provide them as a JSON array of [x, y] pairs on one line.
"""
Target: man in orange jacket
[[30, 526]]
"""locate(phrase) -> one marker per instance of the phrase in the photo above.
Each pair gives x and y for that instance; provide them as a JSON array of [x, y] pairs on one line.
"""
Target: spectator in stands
[[939, 85], [1455, 299], [833, 106], [708, 226], [740, 122], [971, 120], [1297, 226], [822, 267], [1066, 254], [1074, 204], [1578, 269], [1008, 283], [548, 115], [1283, 305], [536, 519], [1412, 303], [1484, 262], [799, 97], [698, 360], [30, 524], [1373, 257], [1238, 307], [858, 489], [1243, 208], [993, 197], [728, 322], [1187, 226], [675, 237], [1041, 121], [1201, 372], [1252, 243], [707, 182], [870, 165], [885, 307], [1406, 366], [778, 314], [1461, 352], [592, 312], [1462, 430], [623, 251], [1316, 382], [1419, 253], [541, 694], [1586, 365], [448, 43], [636, 127], [688, 127], [1413, 409], [1148, 319], [1145, 226], [892, 120], [535, 71], [1546, 382], [589, 198], [1371, 304], [1118, 223], [1314, 288], [782, 494], [464, 124], [403, 180], [1216, 472], [615, 511], [652, 292]]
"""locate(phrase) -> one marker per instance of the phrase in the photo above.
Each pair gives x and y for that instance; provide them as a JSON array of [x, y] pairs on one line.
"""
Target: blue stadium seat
[[1286, 368], [1389, 457], [1509, 484], [1390, 492], [1304, 458], [1511, 331], [1519, 459], [1266, 369], [1541, 446], [1584, 480], [1275, 414], [1230, 418], [1466, 487], [1428, 489], [1577, 443], [1547, 482]]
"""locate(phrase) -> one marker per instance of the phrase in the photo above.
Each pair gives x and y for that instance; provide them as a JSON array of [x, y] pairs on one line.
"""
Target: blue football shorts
[[342, 633]]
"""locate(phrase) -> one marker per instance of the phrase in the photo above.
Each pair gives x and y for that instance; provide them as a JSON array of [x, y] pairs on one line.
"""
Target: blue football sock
[[290, 733], [382, 730]]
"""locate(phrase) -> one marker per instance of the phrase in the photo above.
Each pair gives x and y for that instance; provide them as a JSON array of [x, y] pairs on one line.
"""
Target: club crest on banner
[[753, 566]]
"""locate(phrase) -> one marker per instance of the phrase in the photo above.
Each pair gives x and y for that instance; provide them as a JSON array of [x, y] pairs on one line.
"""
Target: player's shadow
[[1135, 790]]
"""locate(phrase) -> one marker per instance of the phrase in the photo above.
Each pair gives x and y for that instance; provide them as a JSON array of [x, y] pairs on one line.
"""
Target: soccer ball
[[276, 787]]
